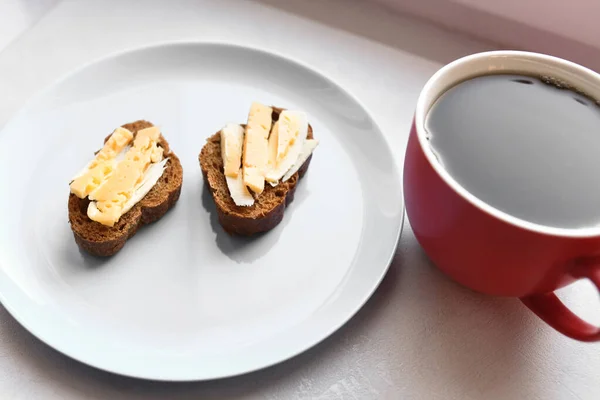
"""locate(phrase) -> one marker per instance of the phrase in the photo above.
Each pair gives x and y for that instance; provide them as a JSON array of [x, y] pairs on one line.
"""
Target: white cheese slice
[[293, 128], [232, 140], [307, 149], [238, 191]]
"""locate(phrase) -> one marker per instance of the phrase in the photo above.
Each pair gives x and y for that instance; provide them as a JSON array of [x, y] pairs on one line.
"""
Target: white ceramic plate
[[183, 300]]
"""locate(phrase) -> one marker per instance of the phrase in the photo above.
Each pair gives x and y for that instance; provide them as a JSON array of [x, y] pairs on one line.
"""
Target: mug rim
[[423, 107]]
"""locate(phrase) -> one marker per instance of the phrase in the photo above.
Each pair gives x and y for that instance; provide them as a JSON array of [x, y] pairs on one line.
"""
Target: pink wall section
[[565, 28], [574, 19]]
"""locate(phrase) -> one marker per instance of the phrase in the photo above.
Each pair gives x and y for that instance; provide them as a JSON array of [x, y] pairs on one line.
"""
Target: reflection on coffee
[[529, 147]]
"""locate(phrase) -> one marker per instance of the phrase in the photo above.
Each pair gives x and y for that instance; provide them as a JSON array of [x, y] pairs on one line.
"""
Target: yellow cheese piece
[[119, 139], [152, 132], [105, 218], [232, 140], [91, 178], [121, 189], [102, 166], [255, 157], [272, 148], [109, 215], [152, 175], [146, 139], [291, 134]]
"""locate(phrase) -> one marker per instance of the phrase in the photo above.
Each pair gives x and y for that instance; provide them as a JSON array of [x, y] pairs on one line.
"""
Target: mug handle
[[549, 308]]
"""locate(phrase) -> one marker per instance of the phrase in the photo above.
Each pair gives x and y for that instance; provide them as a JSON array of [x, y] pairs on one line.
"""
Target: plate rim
[[272, 361]]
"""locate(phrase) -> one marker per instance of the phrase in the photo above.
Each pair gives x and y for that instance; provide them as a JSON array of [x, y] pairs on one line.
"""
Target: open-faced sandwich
[[252, 170], [132, 181]]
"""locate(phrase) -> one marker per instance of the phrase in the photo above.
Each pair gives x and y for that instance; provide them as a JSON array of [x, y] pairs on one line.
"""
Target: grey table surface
[[420, 336]]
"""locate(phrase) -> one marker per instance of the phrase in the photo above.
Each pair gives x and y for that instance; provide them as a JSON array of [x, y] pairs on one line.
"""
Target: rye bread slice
[[101, 240], [268, 208]]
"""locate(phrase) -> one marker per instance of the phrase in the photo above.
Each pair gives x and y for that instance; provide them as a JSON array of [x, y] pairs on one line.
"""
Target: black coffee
[[526, 146]]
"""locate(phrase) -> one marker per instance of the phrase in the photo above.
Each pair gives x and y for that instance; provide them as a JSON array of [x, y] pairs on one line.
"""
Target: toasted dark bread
[[268, 208], [101, 240]]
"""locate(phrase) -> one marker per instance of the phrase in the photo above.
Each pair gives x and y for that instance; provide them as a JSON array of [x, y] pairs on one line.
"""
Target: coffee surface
[[523, 145]]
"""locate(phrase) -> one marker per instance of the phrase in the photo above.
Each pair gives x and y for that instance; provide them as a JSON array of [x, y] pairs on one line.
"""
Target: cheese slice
[[103, 164], [272, 146], [273, 140], [232, 140], [131, 179], [146, 142], [255, 150], [238, 191], [292, 123], [291, 134], [92, 177], [150, 178], [119, 139], [307, 149]]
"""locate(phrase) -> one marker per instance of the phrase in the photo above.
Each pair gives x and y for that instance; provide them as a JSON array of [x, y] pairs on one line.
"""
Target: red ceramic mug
[[479, 246]]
